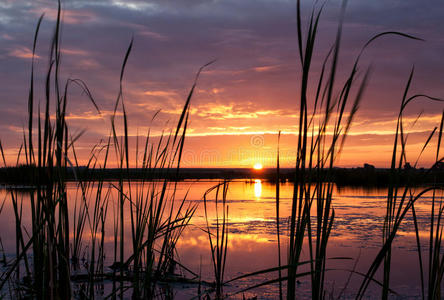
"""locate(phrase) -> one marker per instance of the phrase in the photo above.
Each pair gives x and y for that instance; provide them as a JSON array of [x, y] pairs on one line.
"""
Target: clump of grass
[[319, 145], [401, 200], [436, 258], [157, 219], [325, 118], [324, 123], [219, 239]]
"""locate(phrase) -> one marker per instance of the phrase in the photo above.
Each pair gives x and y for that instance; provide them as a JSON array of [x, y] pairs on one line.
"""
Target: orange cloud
[[75, 52], [165, 94], [22, 52], [6, 36], [266, 68], [230, 111], [88, 64], [69, 16]]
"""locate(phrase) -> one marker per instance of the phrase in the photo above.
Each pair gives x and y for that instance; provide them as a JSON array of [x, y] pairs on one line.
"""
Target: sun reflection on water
[[257, 188]]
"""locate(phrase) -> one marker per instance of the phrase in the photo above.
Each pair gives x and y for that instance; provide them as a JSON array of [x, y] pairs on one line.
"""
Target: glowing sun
[[257, 166]]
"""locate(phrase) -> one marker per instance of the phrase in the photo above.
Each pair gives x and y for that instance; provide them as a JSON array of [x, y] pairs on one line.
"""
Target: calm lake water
[[252, 244]]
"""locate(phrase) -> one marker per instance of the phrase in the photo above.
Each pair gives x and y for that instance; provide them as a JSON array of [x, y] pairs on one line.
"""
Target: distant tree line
[[367, 175]]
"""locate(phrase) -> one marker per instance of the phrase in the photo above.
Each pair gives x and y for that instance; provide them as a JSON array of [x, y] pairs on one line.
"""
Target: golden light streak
[[257, 188]]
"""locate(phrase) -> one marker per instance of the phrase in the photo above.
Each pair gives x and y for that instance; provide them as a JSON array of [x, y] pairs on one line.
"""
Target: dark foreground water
[[357, 234]]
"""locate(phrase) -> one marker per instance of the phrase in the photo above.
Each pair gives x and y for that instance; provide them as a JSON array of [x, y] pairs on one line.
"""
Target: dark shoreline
[[360, 176]]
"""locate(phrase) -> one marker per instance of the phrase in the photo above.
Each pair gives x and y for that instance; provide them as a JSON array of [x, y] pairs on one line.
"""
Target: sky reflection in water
[[252, 241]]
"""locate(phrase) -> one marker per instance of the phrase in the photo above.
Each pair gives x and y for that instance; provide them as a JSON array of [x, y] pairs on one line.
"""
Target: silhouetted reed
[[65, 246], [157, 219]]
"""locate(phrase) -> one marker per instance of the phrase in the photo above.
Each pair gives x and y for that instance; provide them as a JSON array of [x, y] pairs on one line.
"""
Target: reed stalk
[[157, 218], [400, 200], [219, 238]]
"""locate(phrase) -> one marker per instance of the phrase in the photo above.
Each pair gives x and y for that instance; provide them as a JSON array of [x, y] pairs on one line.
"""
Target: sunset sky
[[247, 95]]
